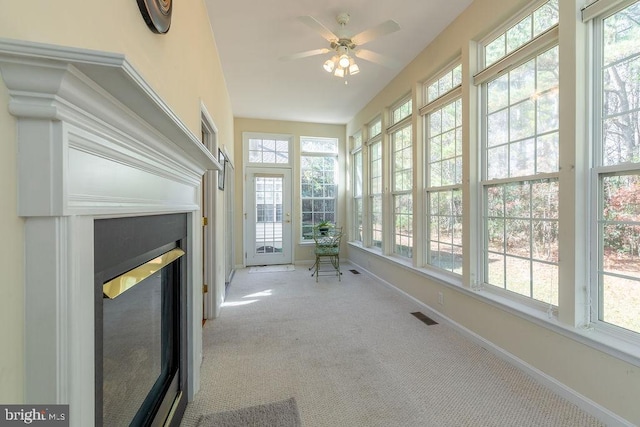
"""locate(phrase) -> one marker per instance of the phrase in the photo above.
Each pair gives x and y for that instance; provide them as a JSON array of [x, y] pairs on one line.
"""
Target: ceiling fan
[[345, 46]]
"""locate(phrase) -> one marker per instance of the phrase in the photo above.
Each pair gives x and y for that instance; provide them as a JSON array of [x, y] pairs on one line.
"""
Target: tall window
[[443, 142], [616, 168], [402, 178], [375, 182], [356, 179], [318, 182], [520, 157]]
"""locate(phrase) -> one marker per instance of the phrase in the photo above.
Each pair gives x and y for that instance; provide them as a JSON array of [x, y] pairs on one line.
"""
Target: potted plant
[[323, 227]]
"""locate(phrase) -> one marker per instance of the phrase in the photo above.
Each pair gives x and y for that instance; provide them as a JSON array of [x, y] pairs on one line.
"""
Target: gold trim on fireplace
[[113, 288]]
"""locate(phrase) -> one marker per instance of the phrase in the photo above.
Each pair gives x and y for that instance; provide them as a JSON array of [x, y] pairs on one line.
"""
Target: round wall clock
[[157, 14]]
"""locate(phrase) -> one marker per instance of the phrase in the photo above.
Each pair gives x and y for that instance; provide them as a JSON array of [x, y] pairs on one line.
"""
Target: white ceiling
[[252, 35]]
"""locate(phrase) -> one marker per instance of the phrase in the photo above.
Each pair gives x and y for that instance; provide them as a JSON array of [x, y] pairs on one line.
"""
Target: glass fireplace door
[[140, 320], [140, 340]]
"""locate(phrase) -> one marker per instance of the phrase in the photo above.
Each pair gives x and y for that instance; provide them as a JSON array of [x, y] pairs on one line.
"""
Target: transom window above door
[[268, 149]]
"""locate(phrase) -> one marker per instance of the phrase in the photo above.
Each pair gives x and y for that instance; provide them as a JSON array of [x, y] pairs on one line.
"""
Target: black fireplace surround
[[120, 245]]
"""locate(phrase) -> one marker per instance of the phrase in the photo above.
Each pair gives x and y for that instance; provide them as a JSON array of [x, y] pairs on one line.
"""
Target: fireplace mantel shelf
[[107, 111], [113, 73]]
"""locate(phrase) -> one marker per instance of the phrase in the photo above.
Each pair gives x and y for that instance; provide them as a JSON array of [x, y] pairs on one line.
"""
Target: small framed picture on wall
[[223, 163]]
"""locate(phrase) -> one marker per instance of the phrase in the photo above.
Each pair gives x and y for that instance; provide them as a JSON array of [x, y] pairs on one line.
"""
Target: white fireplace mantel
[[94, 141]]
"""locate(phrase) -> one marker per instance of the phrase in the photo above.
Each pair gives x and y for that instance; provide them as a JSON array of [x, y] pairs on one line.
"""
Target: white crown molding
[[74, 104], [116, 76]]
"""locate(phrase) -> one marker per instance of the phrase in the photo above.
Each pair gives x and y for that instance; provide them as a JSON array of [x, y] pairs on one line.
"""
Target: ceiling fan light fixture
[[343, 45], [344, 61], [353, 67], [329, 65]]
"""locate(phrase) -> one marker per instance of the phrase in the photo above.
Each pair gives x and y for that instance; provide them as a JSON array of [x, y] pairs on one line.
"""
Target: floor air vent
[[355, 271], [424, 318]]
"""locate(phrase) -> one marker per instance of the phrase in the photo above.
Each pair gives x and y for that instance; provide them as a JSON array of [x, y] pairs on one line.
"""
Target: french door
[[268, 217]]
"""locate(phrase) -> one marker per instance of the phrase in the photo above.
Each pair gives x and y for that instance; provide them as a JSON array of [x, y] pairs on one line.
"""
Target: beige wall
[[610, 382], [182, 67], [302, 252]]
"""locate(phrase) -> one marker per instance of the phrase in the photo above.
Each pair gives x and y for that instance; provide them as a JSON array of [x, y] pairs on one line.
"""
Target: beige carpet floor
[[352, 354]]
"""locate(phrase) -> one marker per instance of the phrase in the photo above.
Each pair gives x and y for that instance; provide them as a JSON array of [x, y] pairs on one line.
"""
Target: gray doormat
[[272, 268], [276, 414]]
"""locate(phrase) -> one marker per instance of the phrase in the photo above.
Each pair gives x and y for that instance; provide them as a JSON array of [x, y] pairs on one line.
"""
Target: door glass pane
[[268, 209]]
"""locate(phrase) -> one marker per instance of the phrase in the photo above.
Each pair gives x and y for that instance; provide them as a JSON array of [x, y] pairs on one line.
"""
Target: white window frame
[[405, 109], [248, 136], [595, 13], [442, 100], [375, 127], [448, 75], [357, 227], [515, 53], [401, 124], [535, 46], [306, 236]]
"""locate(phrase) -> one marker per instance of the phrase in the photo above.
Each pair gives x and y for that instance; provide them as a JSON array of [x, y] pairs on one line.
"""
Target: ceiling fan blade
[[380, 30], [376, 58], [317, 26], [304, 54]]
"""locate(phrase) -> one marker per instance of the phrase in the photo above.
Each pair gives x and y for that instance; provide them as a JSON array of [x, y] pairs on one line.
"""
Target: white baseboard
[[603, 414]]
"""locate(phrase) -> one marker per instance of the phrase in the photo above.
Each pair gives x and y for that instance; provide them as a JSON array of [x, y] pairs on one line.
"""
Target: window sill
[[616, 345], [591, 336], [438, 276]]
